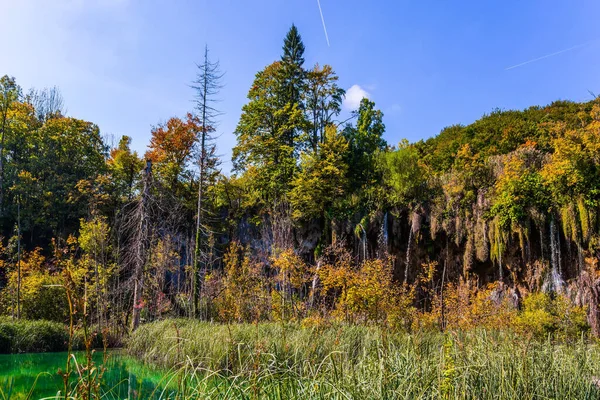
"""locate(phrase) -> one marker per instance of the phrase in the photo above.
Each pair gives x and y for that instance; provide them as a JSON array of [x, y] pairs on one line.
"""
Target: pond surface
[[38, 374]]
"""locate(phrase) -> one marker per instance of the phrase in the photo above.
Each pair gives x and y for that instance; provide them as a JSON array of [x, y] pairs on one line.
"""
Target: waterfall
[[557, 249], [410, 237], [542, 244], [383, 237], [363, 242], [315, 282], [554, 281], [385, 232], [500, 272], [414, 226]]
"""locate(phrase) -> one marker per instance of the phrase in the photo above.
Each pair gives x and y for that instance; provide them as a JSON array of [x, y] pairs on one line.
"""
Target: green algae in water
[[36, 375]]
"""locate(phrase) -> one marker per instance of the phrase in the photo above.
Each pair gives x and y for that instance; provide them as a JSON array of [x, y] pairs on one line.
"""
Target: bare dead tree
[[207, 86], [157, 215], [47, 102], [137, 256]]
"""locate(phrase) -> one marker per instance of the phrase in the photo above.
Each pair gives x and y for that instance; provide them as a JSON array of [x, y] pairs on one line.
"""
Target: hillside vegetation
[[319, 222]]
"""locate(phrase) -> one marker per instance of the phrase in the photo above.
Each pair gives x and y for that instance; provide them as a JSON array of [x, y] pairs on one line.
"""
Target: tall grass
[[38, 336], [272, 361], [32, 336]]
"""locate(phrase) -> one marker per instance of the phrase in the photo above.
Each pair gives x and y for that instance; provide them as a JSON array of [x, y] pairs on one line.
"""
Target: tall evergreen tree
[[293, 78], [292, 70], [271, 129]]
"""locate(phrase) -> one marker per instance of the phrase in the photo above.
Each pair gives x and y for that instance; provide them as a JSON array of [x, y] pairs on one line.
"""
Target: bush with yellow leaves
[[42, 295], [467, 307], [243, 297], [293, 276], [367, 293], [551, 315]]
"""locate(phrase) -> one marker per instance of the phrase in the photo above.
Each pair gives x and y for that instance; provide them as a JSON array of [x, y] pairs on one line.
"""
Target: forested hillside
[[319, 218]]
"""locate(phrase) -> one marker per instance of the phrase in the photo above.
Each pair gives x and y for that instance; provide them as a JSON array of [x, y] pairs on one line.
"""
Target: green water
[[124, 378]]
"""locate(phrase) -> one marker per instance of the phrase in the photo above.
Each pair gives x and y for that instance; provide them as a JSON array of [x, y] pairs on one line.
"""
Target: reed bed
[[275, 361]]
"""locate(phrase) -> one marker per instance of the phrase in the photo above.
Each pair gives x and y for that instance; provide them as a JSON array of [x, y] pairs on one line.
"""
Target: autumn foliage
[[494, 224]]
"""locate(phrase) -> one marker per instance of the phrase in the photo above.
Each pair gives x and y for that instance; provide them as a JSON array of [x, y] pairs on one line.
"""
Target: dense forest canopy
[[319, 217]]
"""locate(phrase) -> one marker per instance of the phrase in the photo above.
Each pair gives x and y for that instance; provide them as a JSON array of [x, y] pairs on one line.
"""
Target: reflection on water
[[124, 378]]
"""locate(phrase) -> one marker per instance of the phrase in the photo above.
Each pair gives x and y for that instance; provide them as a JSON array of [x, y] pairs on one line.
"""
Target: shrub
[[468, 307], [42, 293], [44, 298], [7, 336], [32, 336], [546, 315]]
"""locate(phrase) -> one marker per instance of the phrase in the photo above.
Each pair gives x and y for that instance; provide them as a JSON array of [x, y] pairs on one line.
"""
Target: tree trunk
[[139, 247], [19, 257], [2, 136], [201, 167]]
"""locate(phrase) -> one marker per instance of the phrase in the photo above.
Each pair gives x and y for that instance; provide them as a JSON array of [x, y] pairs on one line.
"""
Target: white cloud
[[353, 97]]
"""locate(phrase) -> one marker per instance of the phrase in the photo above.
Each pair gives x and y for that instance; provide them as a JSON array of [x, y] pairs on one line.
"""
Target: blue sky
[[126, 64]]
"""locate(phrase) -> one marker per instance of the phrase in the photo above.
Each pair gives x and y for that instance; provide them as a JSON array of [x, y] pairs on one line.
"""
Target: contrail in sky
[[549, 55], [323, 20]]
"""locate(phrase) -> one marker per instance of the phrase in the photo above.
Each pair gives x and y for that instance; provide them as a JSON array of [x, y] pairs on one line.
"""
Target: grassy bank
[[37, 336], [276, 362], [32, 336]]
